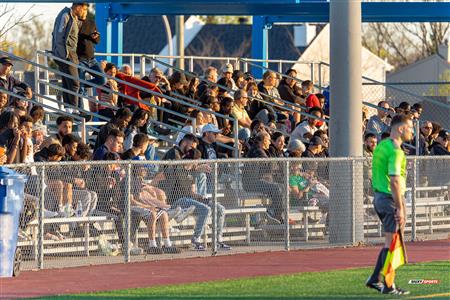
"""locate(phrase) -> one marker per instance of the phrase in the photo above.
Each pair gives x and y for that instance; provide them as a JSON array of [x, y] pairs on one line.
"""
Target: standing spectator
[[425, 138], [88, 37], [64, 46], [26, 153], [8, 82], [418, 108], [120, 122], [109, 98], [65, 125], [370, 142], [379, 123]]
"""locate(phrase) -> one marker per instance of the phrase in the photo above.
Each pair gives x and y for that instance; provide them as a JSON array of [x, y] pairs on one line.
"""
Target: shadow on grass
[[159, 297]]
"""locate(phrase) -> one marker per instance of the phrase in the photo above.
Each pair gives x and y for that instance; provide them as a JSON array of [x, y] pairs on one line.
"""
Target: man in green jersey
[[389, 184]]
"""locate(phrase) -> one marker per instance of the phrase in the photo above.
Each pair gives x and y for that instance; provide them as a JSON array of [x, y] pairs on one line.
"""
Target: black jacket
[[438, 149], [202, 147], [10, 83], [86, 44], [287, 93]]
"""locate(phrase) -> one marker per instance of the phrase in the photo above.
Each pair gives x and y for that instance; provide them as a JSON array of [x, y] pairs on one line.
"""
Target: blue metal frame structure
[[110, 15]]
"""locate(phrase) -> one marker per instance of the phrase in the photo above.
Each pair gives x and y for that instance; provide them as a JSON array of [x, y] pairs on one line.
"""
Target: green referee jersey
[[388, 160]]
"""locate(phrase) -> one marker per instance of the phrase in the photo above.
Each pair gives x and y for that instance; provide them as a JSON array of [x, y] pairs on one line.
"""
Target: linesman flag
[[395, 258]]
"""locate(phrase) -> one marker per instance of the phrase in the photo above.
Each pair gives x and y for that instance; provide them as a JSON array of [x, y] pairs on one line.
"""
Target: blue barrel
[[11, 205]]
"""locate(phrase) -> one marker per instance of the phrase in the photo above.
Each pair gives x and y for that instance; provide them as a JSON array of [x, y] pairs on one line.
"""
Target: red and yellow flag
[[394, 259]]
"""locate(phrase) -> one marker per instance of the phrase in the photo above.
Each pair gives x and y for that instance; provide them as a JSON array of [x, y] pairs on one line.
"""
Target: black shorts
[[385, 207]]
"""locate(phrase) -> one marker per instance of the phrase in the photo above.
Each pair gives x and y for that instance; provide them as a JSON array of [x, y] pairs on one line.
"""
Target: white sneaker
[[135, 250], [173, 213], [184, 214], [50, 214]]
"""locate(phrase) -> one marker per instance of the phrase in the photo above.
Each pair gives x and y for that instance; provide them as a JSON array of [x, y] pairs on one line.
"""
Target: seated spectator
[[192, 87], [9, 135], [238, 78], [403, 108], [26, 153], [138, 147], [211, 76], [258, 109], [120, 122], [110, 98], [257, 177], [440, 145], [150, 204], [3, 101], [306, 190], [295, 148], [37, 112], [178, 184], [65, 125], [324, 137], [276, 148], [8, 81], [238, 111], [286, 88], [38, 135], [268, 87], [226, 106], [315, 148], [227, 72], [311, 99], [138, 124], [307, 126], [113, 143], [379, 123]]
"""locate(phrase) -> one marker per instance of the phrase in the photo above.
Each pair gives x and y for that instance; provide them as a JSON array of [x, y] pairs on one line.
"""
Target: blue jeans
[[97, 79], [201, 212]]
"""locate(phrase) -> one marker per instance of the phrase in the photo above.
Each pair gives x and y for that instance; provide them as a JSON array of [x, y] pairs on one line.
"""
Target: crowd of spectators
[[278, 116]]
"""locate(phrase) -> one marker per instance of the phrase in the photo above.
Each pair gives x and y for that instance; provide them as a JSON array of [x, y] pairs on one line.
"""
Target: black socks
[[379, 266]]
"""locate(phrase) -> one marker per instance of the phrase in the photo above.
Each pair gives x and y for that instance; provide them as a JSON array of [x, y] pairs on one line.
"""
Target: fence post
[[417, 139], [83, 131], [36, 76], [132, 64], [142, 66], [41, 221], [312, 71], [127, 214], [280, 66], [320, 77], [287, 243], [413, 200], [214, 210], [236, 63], [46, 76], [245, 67], [236, 138], [191, 65]]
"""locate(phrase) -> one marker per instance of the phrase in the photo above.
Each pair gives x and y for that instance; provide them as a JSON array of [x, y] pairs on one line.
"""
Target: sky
[[48, 11]]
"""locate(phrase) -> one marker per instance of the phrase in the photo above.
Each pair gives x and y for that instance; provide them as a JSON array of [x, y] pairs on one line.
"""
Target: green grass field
[[343, 284]]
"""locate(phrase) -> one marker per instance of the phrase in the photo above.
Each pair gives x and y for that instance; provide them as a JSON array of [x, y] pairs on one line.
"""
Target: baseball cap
[[228, 68], [6, 61], [210, 128], [444, 134], [315, 141]]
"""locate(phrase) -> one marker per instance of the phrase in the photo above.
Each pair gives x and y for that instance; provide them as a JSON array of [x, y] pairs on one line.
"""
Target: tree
[[11, 20], [404, 43]]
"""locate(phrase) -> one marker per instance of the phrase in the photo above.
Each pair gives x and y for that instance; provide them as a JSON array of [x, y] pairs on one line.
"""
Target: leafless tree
[[10, 20]]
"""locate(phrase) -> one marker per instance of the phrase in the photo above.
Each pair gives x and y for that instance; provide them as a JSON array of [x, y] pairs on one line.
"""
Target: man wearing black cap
[[7, 81], [315, 147]]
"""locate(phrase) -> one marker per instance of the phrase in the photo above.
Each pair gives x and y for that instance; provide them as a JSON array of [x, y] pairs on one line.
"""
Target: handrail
[[46, 54], [387, 84], [250, 97], [61, 112]]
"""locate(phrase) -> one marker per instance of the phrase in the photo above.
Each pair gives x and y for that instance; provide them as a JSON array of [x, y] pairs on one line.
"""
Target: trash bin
[[11, 205]]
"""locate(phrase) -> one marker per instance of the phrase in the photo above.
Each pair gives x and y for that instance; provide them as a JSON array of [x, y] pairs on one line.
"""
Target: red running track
[[146, 274]]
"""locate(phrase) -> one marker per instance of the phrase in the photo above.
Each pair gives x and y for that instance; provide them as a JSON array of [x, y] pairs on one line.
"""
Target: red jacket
[[313, 101], [134, 92]]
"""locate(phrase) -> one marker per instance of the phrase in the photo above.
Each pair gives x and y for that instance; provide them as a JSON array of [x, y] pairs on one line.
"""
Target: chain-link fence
[[121, 211]]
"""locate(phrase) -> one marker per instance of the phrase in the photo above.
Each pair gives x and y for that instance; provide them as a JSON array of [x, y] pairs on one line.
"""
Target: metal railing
[[321, 202]]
